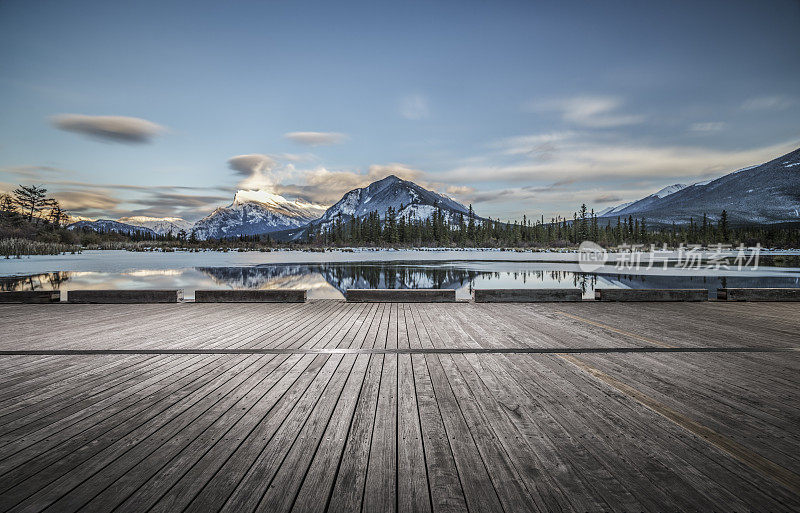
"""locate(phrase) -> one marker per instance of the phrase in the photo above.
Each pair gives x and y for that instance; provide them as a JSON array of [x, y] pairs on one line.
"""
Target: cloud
[[316, 138], [707, 127], [608, 198], [582, 158], [378, 171], [414, 107], [187, 206], [324, 186], [246, 165], [587, 111], [35, 173], [775, 102], [84, 201], [541, 147], [109, 128], [459, 190], [255, 168]]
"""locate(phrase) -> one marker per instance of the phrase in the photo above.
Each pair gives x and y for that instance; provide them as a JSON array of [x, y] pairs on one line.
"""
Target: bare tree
[[31, 199]]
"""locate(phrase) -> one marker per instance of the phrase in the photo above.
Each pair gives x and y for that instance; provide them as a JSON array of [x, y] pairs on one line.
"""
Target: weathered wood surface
[[250, 296], [526, 295], [400, 295], [422, 430], [759, 294], [651, 294], [30, 296], [130, 296]]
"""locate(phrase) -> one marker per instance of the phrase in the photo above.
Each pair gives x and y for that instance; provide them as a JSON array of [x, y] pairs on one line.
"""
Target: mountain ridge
[[767, 193], [256, 213]]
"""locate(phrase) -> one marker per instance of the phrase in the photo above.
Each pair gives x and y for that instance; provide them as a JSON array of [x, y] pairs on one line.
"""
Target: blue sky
[[518, 107]]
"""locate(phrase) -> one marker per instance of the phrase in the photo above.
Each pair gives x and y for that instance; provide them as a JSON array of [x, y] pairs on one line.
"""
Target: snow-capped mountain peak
[[256, 212], [670, 189], [160, 225], [612, 210], [258, 196], [405, 197], [108, 226]]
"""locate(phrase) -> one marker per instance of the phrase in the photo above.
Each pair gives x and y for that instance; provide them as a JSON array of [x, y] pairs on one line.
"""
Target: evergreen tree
[[723, 226], [31, 199], [471, 225]]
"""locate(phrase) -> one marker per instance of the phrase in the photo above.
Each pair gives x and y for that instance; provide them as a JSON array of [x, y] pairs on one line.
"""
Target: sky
[[167, 108]]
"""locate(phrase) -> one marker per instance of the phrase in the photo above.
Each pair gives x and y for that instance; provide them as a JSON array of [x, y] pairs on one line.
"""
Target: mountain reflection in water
[[331, 280]]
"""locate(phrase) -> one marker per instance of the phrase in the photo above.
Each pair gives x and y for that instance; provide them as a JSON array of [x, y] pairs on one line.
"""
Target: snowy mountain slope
[[632, 207], [670, 189], [256, 213], [107, 226], [160, 225], [761, 194], [406, 198], [613, 210]]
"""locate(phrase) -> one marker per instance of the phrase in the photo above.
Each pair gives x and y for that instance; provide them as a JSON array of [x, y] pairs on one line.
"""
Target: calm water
[[328, 275]]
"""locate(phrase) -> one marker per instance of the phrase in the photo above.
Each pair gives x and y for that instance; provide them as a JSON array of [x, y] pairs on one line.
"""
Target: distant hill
[[763, 194], [109, 226]]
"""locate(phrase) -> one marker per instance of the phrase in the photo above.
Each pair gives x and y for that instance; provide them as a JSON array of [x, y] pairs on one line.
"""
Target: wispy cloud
[[587, 111], [580, 157], [35, 173], [707, 127], [87, 201], [773, 102], [414, 107], [323, 186], [109, 128], [608, 198], [316, 138]]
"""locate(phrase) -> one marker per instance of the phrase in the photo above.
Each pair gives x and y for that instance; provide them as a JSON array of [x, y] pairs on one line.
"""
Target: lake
[[329, 274]]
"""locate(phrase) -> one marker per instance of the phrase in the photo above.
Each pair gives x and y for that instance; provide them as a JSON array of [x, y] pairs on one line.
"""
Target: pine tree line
[[459, 230]]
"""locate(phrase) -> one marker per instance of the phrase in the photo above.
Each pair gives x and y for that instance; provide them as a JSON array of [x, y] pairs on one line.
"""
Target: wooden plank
[[477, 484], [125, 296], [247, 495], [651, 294], [50, 484], [250, 296], [311, 463], [30, 296], [231, 470], [412, 476], [526, 295], [759, 294], [30, 455], [143, 484], [348, 487], [122, 461], [401, 295]]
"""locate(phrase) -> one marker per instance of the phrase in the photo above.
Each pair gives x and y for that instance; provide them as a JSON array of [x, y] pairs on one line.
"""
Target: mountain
[[612, 210], [255, 213], [762, 194], [160, 225], [406, 198], [108, 226], [642, 204]]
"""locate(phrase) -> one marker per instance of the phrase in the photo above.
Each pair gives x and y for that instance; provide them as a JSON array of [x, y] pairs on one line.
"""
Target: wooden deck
[[382, 407]]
